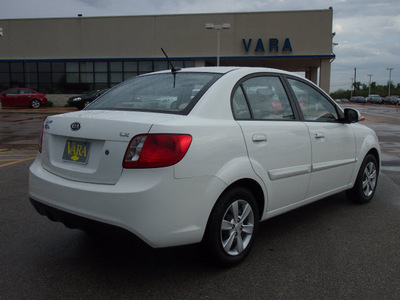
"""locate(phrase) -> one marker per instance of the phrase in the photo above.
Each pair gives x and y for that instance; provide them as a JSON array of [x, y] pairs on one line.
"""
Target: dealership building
[[73, 55]]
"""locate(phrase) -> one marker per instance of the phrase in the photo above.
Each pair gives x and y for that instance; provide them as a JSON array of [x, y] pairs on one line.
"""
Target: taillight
[[156, 150], [40, 142]]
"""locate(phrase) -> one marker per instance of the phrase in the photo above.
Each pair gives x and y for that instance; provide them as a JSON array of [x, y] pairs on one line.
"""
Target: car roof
[[225, 70]]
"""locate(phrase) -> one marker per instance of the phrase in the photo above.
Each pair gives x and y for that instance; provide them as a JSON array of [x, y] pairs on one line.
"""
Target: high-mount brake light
[[156, 150]]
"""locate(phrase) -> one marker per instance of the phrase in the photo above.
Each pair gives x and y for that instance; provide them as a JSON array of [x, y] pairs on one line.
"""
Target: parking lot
[[331, 249]]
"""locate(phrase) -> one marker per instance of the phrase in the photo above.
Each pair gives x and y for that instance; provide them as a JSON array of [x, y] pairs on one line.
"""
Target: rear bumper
[[153, 205]]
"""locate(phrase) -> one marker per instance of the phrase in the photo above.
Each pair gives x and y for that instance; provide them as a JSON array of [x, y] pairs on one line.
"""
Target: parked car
[[208, 168], [22, 97], [393, 100], [375, 99], [82, 101], [358, 99], [344, 100]]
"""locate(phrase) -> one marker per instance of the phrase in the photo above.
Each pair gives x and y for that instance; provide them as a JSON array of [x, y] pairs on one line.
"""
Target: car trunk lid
[[89, 146]]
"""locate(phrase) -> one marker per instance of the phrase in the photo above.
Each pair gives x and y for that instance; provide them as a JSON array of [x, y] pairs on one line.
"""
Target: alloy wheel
[[237, 227], [369, 179]]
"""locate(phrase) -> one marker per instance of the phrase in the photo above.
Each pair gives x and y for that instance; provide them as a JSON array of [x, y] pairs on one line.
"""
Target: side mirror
[[352, 116]]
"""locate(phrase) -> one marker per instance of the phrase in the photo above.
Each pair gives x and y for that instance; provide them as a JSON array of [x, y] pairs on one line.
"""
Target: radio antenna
[[173, 69]]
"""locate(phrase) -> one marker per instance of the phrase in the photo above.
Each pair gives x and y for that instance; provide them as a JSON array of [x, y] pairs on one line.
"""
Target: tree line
[[362, 89]]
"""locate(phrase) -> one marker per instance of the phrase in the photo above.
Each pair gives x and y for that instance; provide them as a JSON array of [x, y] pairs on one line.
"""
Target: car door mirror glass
[[351, 115]]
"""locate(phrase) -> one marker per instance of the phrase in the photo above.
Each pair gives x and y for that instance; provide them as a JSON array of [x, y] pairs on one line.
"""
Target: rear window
[[166, 92]]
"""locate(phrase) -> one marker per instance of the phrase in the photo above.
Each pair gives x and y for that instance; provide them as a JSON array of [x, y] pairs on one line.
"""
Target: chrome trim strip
[[300, 170], [332, 164], [289, 172]]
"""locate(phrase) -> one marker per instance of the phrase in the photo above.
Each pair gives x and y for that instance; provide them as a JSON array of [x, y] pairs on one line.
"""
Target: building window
[[17, 67], [86, 67], [58, 67], [100, 66], [116, 66], [44, 67], [4, 75], [145, 67], [72, 67], [160, 65], [77, 76], [130, 66]]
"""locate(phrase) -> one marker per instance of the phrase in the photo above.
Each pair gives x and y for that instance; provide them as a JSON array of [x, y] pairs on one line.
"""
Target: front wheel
[[366, 182], [232, 227]]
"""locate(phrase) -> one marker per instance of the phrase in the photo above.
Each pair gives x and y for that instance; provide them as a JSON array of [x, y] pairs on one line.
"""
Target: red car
[[22, 97]]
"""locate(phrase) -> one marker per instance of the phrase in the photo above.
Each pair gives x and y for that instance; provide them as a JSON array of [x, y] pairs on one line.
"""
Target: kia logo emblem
[[75, 126]]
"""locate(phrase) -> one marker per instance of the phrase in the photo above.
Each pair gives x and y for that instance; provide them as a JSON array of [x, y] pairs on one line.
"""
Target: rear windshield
[[166, 92]]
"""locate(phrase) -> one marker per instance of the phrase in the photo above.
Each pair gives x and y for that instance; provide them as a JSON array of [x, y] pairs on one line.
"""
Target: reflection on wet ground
[[386, 123], [18, 130]]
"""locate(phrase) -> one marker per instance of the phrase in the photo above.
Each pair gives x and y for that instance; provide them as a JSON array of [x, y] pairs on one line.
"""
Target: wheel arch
[[375, 153], [253, 187]]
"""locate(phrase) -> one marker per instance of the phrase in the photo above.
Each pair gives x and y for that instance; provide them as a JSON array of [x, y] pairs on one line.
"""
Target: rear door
[[26, 97], [278, 143]]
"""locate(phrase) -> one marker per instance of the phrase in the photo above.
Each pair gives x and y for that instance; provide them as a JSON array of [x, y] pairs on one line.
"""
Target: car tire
[[35, 103], [366, 182], [232, 227]]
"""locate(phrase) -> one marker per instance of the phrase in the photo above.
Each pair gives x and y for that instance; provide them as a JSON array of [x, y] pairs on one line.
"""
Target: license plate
[[76, 151]]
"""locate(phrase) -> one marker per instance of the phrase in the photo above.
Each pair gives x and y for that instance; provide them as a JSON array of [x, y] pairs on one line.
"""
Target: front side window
[[167, 92], [314, 106], [266, 99]]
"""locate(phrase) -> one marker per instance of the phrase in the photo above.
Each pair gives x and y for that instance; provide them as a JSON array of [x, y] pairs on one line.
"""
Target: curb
[[40, 110]]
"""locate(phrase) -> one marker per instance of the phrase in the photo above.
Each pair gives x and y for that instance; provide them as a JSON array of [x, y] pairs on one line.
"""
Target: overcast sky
[[367, 31]]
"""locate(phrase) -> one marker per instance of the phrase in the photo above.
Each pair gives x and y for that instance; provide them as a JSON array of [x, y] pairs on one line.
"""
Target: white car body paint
[[293, 163]]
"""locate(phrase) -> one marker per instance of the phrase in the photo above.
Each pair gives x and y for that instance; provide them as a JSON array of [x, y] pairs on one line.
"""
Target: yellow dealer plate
[[76, 151]]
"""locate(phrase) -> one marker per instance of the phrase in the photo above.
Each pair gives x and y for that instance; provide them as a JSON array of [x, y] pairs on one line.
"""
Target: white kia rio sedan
[[201, 155]]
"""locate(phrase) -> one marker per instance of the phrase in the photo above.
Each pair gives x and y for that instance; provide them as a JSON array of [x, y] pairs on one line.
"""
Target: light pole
[[218, 28], [352, 87], [390, 79], [369, 91]]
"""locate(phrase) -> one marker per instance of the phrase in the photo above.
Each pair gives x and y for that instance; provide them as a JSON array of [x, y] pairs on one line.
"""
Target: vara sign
[[272, 44]]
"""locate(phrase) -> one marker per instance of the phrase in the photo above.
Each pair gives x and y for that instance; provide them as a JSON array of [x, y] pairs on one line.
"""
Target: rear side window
[[240, 107], [167, 92], [26, 92], [261, 98]]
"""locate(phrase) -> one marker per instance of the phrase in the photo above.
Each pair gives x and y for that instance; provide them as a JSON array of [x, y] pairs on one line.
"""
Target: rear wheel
[[35, 103], [366, 182], [232, 227]]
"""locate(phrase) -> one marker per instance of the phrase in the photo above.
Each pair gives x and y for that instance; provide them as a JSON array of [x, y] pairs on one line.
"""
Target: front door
[[333, 142]]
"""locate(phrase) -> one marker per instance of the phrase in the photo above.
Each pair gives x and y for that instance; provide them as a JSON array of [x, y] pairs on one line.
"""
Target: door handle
[[319, 135], [259, 137]]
